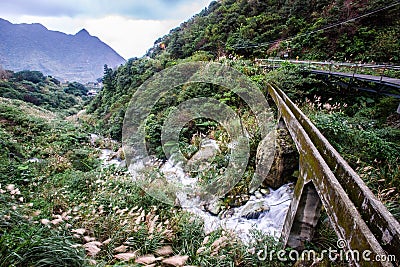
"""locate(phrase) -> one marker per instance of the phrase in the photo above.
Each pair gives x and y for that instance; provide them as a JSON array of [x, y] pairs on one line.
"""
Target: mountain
[[80, 57], [337, 30]]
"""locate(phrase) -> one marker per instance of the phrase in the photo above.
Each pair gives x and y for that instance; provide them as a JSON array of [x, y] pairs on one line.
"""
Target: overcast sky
[[130, 27]]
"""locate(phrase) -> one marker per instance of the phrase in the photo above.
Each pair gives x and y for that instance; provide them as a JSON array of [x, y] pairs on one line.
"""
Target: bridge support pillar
[[304, 211], [306, 218]]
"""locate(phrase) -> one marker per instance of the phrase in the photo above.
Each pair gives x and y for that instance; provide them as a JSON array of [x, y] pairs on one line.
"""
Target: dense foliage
[[272, 28], [46, 92], [241, 28]]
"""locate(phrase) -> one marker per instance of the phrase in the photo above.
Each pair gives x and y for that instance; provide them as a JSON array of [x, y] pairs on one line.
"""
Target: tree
[[76, 89], [108, 76], [32, 76], [5, 74]]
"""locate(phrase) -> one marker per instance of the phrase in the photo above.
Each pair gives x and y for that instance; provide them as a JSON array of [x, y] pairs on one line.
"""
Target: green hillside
[[248, 29], [43, 91], [324, 30]]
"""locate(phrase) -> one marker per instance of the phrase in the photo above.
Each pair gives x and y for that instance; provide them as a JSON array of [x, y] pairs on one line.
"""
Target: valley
[[149, 171]]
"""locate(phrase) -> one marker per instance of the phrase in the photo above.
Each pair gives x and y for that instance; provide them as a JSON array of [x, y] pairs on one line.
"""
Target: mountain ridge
[[68, 57]]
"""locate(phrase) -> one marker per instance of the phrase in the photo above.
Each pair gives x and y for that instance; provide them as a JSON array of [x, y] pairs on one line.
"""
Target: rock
[[215, 207], [125, 256], [92, 248], [201, 250], [122, 164], [120, 154], [34, 160], [164, 251], [94, 138], [264, 191], [176, 260], [286, 160], [106, 242], [200, 161], [10, 187], [45, 221], [79, 231], [253, 210], [258, 195], [88, 239], [147, 259]]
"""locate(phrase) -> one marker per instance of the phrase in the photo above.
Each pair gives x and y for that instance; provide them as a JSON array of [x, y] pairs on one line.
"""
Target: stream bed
[[265, 212]]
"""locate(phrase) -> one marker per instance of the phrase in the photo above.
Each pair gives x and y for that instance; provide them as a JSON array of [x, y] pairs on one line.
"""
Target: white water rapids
[[269, 221]]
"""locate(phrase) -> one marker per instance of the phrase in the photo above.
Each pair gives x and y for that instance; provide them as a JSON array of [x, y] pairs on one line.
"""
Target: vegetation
[[60, 205], [363, 128], [274, 28], [46, 92]]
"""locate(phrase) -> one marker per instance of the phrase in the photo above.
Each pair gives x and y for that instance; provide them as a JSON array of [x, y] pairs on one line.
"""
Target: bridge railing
[[355, 213], [382, 70]]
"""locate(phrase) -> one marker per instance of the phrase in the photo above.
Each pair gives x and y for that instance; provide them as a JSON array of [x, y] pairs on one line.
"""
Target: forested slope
[[353, 30], [248, 29]]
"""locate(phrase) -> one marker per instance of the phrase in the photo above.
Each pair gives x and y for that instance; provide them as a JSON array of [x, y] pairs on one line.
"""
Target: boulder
[[176, 260], [200, 161], [285, 163], [253, 210]]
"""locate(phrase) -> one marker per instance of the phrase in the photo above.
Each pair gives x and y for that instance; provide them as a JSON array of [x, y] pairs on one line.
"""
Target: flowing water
[[108, 158], [269, 220]]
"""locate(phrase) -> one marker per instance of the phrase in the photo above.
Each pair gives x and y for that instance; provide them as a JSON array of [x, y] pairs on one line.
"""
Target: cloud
[[39, 8], [139, 9], [127, 36]]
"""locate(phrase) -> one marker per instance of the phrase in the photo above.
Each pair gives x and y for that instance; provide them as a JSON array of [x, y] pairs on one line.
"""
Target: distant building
[[91, 92], [93, 85]]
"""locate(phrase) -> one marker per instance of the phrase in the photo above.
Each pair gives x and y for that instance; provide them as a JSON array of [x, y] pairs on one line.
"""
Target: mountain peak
[[82, 32], [78, 57]]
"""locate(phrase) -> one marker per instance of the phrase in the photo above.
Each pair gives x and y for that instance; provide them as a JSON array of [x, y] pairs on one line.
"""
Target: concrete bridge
[[327, 180]]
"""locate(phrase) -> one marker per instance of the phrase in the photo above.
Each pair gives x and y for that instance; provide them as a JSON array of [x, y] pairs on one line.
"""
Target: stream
[[270, 221], [265, 212]]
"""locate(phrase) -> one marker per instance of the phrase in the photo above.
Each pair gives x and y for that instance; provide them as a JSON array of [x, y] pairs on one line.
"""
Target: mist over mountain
[[80, 57]]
